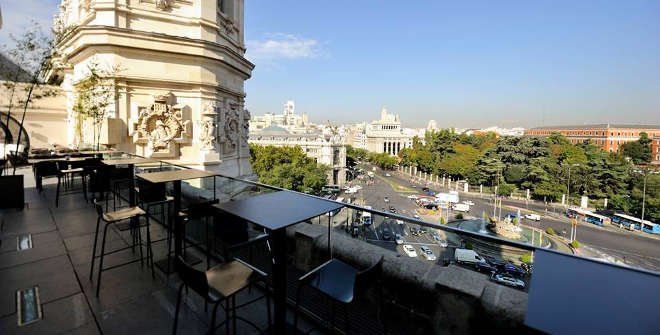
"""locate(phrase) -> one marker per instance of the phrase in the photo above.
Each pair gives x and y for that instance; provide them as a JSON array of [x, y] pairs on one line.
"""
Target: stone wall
[[450, 299]]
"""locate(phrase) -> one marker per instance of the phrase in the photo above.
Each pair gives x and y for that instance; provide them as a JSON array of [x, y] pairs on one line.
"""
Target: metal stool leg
[[98, 282], [96, 238], [176, 311], [57, 194]]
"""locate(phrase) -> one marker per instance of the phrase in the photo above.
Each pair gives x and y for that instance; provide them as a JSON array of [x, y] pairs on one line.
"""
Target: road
[[633, 248]]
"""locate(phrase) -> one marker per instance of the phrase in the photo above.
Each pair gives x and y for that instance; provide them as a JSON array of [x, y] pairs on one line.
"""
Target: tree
[[288, 167], [383, 160], [638, 151], [353, 155]]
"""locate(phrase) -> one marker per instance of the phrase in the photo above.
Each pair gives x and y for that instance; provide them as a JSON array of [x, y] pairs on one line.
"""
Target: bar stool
[[132, 214], [66, 173], [219, 286], [342, 284]]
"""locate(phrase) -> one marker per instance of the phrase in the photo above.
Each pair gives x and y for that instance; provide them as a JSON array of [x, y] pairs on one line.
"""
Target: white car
[[388, 175], [416, 216], [533, 217], [508, 280], [469, 202], [386, 199], [409, 250], [398, 238], [443, 243], [399, 221], [413, 197], [427, 253]]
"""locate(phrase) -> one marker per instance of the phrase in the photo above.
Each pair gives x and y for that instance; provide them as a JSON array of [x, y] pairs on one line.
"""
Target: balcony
[[46, 251]]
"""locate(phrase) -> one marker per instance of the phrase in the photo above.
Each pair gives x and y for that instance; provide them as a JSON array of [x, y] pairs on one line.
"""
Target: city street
[[632, 248]]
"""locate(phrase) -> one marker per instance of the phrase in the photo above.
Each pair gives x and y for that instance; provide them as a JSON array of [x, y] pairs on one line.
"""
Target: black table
[[275, 211], [175, 176]]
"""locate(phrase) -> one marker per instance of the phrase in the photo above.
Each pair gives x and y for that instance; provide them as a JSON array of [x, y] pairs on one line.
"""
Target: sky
[[462, 63]]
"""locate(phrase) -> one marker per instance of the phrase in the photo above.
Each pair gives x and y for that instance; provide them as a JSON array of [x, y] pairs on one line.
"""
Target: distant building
[[609, 137], [325, 148], [386, 135], [287, 120], [517, 131], [432, 125]]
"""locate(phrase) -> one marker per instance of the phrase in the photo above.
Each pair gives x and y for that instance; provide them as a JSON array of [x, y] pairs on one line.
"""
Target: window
[[226, 7]]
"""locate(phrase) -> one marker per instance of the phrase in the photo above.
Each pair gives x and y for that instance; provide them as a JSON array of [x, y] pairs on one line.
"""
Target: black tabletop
[[278, 210]]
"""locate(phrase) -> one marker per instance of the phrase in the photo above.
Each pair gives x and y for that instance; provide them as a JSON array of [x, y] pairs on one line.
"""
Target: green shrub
[[575, 244], [550, 231], [459, 216], [526, 258]]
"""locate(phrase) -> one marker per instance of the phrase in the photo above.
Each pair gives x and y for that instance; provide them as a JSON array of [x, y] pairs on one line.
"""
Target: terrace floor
[[58, 263]]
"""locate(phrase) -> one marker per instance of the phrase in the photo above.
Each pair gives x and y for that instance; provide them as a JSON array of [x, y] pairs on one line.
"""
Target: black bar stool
[[112, 219], [342, 284], [219, 286]]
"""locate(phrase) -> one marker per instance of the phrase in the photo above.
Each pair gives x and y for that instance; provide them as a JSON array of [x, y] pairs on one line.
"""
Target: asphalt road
[[633, 248]]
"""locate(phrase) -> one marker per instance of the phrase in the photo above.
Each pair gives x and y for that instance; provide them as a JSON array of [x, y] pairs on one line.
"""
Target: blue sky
[[462, 63]]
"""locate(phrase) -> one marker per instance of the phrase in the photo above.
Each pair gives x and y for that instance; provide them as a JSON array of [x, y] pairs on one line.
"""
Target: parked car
[[399, 221], [422, 230], [409, 250], [398, 238], [387, 175], [508, 280], [533, 217], [485, 267], [386, 199], [392, 209], [427, 253]]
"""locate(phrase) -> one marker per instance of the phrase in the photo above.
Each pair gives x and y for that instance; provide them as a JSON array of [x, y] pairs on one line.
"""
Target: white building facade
[[326, 149], [386, 135]]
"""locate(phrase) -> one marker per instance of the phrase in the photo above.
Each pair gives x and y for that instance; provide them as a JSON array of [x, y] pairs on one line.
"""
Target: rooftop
[[601, 126]]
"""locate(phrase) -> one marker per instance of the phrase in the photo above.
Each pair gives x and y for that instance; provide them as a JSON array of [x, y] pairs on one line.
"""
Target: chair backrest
[[100, 179], [62, 165], [367, 277], [151, 192], [118, 173], [229, 228], [201, 209], [193, 278]]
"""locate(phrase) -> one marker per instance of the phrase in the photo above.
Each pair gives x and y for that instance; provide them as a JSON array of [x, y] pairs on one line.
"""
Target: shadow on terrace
[[183, 250]]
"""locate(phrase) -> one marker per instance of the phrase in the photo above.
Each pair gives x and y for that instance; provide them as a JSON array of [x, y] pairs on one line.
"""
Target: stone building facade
[[325, 148], [179, 88], [386, 135]]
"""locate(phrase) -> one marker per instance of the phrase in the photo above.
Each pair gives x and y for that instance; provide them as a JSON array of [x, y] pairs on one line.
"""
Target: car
[[427, 253], [409, 250], [469, 202], [386, 234], [413, 197], [508, 280], [416, 216], [392, 209], [514, 270], [533, 217], [399, 221], [388, 175], [443, 243], [485, 267], [413, 231], [425, 189], [398, 239], [422, 230], [386, 199], [413, 186]]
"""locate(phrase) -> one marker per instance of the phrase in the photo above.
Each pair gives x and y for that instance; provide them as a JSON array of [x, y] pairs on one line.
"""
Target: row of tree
[[548, 167], [288, 167]]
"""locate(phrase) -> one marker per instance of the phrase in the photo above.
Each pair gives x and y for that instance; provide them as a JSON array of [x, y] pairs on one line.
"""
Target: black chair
[[44, 169], [132, 214], [219, 286], [342, 284], [120, 178], [232, 233], [99, 182]]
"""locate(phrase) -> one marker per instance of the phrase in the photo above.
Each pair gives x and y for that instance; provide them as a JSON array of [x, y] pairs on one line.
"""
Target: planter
[[12, 194]]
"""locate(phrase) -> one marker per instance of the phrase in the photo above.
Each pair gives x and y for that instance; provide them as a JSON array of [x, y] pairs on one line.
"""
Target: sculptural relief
[[161, 127], [164, 4]]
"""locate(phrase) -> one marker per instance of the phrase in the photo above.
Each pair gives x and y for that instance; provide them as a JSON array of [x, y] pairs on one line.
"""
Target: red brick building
[[608, 136]]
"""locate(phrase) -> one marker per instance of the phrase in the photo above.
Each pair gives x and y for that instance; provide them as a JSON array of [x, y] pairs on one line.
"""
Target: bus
[[587, 216], [631, 222], [650, 227]]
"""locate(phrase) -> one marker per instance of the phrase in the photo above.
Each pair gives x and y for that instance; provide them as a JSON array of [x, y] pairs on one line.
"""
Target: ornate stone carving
[[230, 129], [207, 127], [161, 126], [245, 132], [164, 4]]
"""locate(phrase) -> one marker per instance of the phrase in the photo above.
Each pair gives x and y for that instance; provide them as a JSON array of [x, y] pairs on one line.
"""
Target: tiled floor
[[131, 301]]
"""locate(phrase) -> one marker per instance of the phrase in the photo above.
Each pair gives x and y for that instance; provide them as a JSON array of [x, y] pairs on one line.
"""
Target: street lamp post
[[568, 191]]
